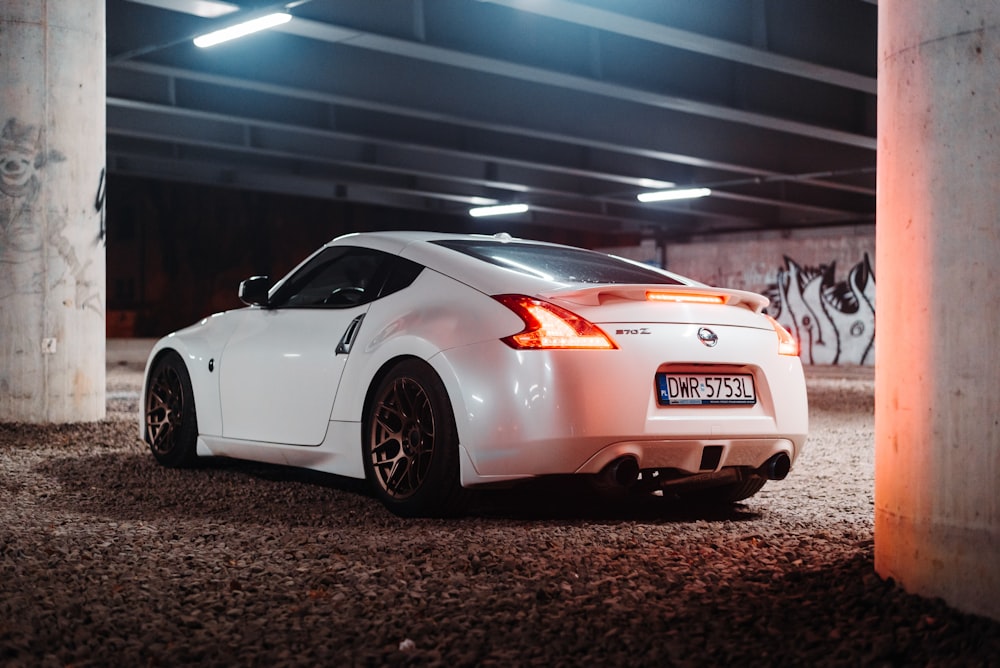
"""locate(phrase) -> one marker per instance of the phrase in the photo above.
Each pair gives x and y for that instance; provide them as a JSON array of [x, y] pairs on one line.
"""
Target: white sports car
[[430, 363]]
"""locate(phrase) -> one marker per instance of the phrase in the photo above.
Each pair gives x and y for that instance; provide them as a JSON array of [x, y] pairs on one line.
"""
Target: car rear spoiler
[[600, 294]]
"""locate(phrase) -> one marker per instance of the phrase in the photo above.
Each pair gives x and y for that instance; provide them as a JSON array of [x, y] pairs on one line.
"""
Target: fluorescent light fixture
[[242, 29], [499, 210], [665, 195]]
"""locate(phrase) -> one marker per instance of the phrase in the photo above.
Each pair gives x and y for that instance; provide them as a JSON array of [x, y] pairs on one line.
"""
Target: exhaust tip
[[777, 467], [622, 472]]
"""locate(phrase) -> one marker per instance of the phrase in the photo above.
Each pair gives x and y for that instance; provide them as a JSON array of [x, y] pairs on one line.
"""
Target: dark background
[[177, 252]]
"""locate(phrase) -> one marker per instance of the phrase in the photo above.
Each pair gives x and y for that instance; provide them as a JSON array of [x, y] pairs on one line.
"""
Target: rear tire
[[170, 418], [411, 443]]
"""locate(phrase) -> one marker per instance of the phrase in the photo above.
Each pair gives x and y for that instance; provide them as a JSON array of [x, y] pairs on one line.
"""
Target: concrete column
[[52, 257], [937, 361]]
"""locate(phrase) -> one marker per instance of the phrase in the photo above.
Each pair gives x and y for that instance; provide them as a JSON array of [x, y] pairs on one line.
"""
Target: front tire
[[171, 420], [411, 443]]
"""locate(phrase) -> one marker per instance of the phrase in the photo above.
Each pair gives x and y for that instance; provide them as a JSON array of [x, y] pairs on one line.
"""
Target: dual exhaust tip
[[624, 471]]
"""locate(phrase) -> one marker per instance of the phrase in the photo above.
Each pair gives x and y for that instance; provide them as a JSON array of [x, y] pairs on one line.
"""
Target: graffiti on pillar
[[99, 207], [27, 240], [833, 320]]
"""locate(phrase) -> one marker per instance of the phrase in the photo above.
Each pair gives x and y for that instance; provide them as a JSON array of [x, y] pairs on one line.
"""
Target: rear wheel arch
[[444, 372], [377, 379]]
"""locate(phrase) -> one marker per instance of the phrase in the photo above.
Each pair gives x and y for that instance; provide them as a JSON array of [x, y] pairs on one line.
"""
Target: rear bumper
[[683, 457], [531, 413]]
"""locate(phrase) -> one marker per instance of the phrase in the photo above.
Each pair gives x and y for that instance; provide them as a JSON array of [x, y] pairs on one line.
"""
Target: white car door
[[281, 368]]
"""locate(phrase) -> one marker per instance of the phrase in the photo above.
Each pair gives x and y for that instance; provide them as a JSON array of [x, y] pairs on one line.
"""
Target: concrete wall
[[821, 282]]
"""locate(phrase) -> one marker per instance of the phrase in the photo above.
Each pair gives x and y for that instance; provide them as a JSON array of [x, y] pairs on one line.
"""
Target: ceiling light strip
[[499, 210], [666, 195], [242, 29]]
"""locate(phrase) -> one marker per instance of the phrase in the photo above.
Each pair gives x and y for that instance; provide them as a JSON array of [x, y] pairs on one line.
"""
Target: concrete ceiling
[[571, 106]]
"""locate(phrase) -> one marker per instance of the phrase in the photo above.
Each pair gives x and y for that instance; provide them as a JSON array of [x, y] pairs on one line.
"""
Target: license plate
[[703, 389]]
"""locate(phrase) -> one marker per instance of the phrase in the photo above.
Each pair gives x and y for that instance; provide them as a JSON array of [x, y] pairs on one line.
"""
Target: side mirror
[[253, 291]]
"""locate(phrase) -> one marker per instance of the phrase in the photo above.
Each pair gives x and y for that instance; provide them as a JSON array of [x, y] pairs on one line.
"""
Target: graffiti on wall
[[29, 243], [833, 320]]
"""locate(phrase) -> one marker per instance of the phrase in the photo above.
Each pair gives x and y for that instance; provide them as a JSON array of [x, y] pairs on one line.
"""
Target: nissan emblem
[[708, 337]]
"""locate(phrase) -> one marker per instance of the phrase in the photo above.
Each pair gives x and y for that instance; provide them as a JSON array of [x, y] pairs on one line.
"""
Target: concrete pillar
[[52, 257], [937, 361]]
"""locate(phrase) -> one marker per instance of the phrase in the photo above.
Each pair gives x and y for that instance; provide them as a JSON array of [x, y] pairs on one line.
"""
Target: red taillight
[[548, 326], [787, 345]]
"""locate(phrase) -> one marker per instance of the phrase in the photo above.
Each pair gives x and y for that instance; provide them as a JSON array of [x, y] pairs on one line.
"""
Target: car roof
[[420, 247]]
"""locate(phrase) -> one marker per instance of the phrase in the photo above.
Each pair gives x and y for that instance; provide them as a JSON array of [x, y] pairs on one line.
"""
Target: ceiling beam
[[452, 58], [648, 150], [335, 34], [535, 194], [614, 22]]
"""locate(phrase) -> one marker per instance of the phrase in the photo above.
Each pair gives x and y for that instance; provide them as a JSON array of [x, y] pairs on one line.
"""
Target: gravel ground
[[108, 559]]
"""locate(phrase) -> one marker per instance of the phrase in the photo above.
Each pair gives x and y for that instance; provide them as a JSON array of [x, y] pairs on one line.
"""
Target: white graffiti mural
[[834, 321]]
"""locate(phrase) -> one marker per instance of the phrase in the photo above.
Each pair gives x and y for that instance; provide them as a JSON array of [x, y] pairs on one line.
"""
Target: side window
[[338, 277], [402, 274]]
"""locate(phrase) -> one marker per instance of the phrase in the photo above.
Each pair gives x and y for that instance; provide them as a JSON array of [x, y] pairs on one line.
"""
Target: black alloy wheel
[[171, 421]]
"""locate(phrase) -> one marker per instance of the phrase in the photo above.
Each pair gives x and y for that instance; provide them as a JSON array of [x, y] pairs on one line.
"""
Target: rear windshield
[[558, 263]]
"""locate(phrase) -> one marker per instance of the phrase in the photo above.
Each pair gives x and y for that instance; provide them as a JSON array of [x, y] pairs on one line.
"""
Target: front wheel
[[171, 421], [411, 443]]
